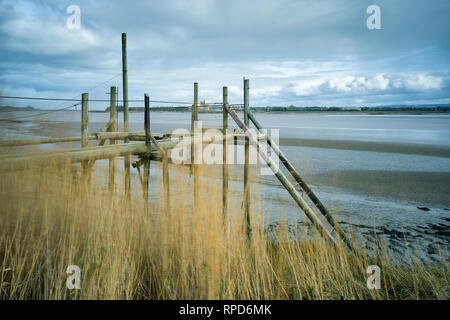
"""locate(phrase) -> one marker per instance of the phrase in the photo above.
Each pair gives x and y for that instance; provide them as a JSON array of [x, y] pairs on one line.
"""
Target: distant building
[[204, 107]]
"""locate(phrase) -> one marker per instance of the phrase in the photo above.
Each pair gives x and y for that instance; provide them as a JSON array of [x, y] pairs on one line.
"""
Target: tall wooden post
[[112, 128], [193, 146], [147, 121], [225, 145], [166, 185], [148, 144], [194, 117], [247, 160], [84, 129], [146, 180], [127, 158]]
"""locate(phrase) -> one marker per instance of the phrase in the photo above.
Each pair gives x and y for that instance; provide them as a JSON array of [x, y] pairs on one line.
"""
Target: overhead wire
[[92, 100], [53, 99]]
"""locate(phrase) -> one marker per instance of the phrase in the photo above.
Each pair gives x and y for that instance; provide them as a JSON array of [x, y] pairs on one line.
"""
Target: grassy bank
[[50, 220]]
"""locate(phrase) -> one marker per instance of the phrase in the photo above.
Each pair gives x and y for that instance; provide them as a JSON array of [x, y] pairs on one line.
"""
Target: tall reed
[[51, 218]]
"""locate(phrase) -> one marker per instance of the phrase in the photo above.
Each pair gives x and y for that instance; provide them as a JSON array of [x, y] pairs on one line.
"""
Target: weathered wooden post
[[84, 130], [112, 128], [165, 163], [193, 145], [225, 145], [127, 158], [164, 154], [147, 120], [194, 117], [148, 144], [247, 159]]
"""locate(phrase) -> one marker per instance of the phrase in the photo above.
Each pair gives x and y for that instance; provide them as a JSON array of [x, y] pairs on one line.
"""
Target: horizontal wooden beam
[[24, 160], [16, 143], [95, 136], [134, 136]]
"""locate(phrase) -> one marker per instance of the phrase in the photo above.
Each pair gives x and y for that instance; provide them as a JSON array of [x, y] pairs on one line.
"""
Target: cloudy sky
[[294, 52]]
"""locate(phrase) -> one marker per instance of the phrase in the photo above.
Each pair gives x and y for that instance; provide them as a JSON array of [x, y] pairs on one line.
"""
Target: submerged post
[[194, 166], [125, 112], [224, 153], [247, 160], [112, 128], [84, 128]]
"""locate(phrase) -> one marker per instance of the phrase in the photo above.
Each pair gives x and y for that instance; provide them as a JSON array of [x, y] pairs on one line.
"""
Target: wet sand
[[362, 179], [422, 188], [404, 148]]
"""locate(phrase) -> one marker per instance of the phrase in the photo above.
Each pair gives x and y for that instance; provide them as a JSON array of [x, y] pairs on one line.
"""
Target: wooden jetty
[[149, 146]]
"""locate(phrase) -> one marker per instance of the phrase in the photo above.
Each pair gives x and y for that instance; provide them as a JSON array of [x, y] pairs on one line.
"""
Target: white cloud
[[292, 51], [379, 82], [423, 82], [39, 31], [306, 87], [367, 84]]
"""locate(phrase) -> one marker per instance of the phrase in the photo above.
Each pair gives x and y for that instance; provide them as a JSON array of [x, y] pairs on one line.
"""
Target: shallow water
[[374, 170]]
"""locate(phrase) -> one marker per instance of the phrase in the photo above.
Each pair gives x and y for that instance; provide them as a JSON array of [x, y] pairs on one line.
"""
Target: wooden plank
[[26, 142], [98, 152], [95, 136], [132, 136]]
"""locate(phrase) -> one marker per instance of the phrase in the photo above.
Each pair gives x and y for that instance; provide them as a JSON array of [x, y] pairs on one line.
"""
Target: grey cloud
[[305, 52]]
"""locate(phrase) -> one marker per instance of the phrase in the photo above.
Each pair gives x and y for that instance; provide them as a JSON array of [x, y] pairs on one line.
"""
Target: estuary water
[[384, 174]]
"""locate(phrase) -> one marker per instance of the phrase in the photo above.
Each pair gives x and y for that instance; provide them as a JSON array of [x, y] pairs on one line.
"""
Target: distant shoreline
[[368, 112]]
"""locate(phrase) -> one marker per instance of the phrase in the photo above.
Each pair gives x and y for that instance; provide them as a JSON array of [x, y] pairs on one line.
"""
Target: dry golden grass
[[50, 220]]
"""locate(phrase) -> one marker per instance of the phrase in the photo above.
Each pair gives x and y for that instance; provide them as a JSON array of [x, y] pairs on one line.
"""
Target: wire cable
[[91, 100], [40, 114], [52, 99]]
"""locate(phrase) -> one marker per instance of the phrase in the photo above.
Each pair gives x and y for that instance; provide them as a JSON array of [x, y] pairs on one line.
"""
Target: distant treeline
[[142, 109], [303, 109], [429, 109], [300, 109], [433, 108], [291, 108], [9, 108]]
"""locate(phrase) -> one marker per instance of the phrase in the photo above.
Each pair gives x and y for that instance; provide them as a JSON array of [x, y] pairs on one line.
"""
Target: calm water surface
[[375, 170]]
